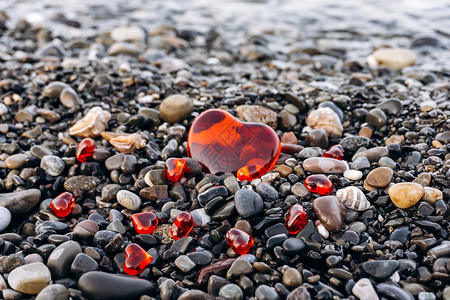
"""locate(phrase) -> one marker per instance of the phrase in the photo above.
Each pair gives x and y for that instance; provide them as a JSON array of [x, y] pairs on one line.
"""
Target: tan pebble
[[283, 170], [394, 139], [257, 114], [325, 118], [92, 124], [380, 177], [128, 143], [432, 195], [436, 144], [16, 161], [365, 132], [289, 138], [406, 194], [368, 187], [394, 58]]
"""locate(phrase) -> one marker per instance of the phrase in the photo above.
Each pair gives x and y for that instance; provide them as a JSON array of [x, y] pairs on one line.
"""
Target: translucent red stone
[[336, 152], [62, 204], [136, 259], [296, 219], [239, 240], [182, 225], [84, 149], [144, 223], [319, 183], [175, 168], [224, 144]]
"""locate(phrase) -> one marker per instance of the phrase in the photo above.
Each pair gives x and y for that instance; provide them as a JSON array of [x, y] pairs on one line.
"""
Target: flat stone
[[238, 268], [30, 279], [154, 193], [219, 268], [353, 143], [380, 177], [53, 165], [20, 202], [373, 154], [257, 114], [100, 285], [81, 183], [393, 58], [86, 229], [16, 161], [248, 203], [82, 264], [380, 269], [54, 292], [389, 291], [406, 194], [129, 200], [264, 292], [443, 137], [61, 259], [324, 165], [176, 108], [231, 291], [364, 290], [184, 263], [292, 278], [330, 211]]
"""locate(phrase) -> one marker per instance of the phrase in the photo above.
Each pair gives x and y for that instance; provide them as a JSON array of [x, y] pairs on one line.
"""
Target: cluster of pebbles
[[383, 233]]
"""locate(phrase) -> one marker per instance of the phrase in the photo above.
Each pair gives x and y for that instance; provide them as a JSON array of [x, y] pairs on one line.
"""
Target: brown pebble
[[330, 211], [365, 132], [380, 177], [289, 138]]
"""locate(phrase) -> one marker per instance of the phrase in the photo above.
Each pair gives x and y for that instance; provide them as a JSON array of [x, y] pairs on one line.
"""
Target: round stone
[[394, 58], [248, 203], [405, 194], [54, 292], [30, 279], [294, 246], [330, 211], [61, 259], [53, 165], [16, 161], [176, 108], [5, 218], [354, 175], [86, 229], [376, 118], [231, 291], [380, 177], [317, 138], [129, 200], [264, 292], [292, 278], [363, 289]]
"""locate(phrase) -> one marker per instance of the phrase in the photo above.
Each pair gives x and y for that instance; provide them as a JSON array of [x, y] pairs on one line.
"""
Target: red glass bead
[[136, 259], [239, 240], [144, 223], [224, 144], [336, 152], [296, 219], [319, 183], [85, 149], [175, 168], [182, 225], [248, 172], [62, 204]]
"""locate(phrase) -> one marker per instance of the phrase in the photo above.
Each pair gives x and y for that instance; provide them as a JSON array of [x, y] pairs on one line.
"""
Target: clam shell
[[92, 124], [353, 198], [128, 143], [325, 118]]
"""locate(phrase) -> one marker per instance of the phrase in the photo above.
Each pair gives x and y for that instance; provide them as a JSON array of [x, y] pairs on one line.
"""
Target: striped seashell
[[353, 198]]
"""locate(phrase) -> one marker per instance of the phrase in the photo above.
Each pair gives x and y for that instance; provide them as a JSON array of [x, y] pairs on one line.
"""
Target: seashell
[[353, 198], [128, 143], [92, 124], [108, 135], [325, 118], [54, 89]]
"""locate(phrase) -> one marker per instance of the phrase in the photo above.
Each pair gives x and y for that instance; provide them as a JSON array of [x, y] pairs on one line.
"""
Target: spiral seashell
[[325, 118], [92, 124], [353, 198], [128, 143]]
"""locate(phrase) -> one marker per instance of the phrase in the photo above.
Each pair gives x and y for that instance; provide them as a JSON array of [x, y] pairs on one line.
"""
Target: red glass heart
[[136, 259], [182, 225], [239, 240], [84, 149], [319, 184], [224, 144], [336, 152], [175, 168], [144, 223], [62, 204], [296, 219]]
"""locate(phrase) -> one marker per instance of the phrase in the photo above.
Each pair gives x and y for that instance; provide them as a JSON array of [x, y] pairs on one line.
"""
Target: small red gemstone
[[84, 149], [239, 240], [136, 259], [249, 172], [182, 225], [319, 183], [62, 204], [336, 152], [175, 168], [296, 219], [144, 223]]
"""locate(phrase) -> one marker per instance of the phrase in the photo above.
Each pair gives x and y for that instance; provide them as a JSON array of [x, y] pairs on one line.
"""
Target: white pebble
[[395, 277], [129, 200], [353, 175], [323, 231], [5, 218]]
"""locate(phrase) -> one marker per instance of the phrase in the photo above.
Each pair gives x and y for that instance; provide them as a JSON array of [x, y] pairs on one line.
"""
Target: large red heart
[[136, 259], [224, 144]]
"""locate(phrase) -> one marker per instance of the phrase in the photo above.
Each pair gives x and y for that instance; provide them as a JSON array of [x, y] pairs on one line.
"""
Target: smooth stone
[[100, 285], [116, 226], [248, 203], [30, 279], [380, 177], [393, 58], [69, 98], [389, 291], [257, 114], [334, 107], [441, 250], [127, 34], [361, 163], [83, 263], [353, 175], [267, 192], [443, 137], [40, 151], [61, 259], [292, 278], [300, 190], [373, 154], [219, 268], [194, 295], [387, 162], [264, 292], [380, 269], [353, 143], [184, 263], [53, 165], [10, 294], [300, 293], [109, 192], [231, 291], [424, 179], [294, 246], [391, 106], [54, 292], [5, 218], [405, 194], [428, 105], [376, 118], [324, 165], [325, 118], [330, 211], [176, 108], [317, 138], [20, 202], [129, 200], [115, 162], [86, 229], [16, 161], [430, 195], [238, 268], [363, 289]]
